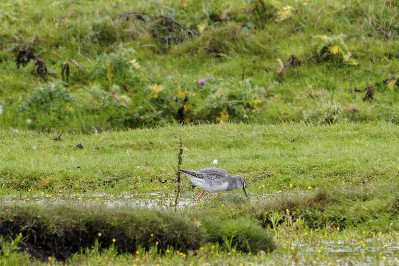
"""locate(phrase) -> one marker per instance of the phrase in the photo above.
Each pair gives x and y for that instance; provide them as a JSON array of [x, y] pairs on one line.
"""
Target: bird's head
[[241, 183]]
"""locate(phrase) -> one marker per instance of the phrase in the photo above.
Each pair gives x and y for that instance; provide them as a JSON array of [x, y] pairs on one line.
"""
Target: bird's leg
[[200, 195], [213, 195]]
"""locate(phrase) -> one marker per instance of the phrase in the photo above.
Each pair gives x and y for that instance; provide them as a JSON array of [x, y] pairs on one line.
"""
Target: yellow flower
[[99, 234], [309, 187], [334, 49], [363, 244], [223, 116], [156, 90], [291, 185], [137, 252], [181, 94], [113, 240], [201, 28]]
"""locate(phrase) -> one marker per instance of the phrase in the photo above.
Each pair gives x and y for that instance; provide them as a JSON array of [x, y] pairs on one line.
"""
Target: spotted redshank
[[215, 180]]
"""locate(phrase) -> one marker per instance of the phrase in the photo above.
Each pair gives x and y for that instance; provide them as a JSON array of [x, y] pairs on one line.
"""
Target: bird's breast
[[210, 186]]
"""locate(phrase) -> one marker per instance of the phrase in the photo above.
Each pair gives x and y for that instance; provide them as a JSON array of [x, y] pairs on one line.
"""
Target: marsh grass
[[299, 178], [64, 229], [372, 206]]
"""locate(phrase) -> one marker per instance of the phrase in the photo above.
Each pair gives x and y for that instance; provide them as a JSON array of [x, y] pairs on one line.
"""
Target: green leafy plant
[[329, 114], [118, 67], [333, 48], [49, 107], [235, 103]]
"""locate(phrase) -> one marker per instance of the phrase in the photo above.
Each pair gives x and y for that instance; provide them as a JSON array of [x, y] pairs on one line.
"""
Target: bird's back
[[210, 179]]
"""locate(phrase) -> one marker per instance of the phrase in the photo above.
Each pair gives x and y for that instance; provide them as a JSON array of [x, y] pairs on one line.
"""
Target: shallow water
[[342, 252], [350, 252], [150, 200]]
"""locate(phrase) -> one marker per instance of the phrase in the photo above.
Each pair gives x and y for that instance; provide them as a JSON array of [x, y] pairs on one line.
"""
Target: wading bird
[[215, 180]]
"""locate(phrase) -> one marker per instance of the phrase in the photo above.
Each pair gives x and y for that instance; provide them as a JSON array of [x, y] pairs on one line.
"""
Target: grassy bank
[[60, 230], [126, 65]]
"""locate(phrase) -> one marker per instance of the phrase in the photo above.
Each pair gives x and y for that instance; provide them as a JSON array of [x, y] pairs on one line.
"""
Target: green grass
[[233, 35], [270, 157]]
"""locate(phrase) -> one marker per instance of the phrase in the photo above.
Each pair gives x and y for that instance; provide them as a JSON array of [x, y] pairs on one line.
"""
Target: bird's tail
[[189, 173]]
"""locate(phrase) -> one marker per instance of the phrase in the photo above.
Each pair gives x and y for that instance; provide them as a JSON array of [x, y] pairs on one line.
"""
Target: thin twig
[[180, 159]]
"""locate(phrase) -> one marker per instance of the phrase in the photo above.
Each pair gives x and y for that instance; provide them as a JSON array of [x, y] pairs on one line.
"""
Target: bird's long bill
[[243, 189]]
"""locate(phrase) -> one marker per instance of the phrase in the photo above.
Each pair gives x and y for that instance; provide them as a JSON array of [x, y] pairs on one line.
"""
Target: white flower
[[215, 161]]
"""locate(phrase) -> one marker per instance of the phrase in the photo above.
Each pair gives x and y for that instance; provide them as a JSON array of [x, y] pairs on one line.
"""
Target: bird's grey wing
[[215, 172], [193, 174]]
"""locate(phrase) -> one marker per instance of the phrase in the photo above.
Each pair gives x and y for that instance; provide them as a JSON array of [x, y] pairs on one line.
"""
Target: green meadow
[[297, 96]]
